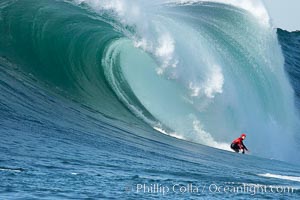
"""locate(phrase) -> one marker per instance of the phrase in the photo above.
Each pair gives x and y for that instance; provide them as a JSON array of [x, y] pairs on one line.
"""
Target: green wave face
[[203, 72], [62, 45]]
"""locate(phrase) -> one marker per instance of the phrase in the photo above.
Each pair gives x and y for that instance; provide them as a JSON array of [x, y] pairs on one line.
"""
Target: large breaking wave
[[203, 71]]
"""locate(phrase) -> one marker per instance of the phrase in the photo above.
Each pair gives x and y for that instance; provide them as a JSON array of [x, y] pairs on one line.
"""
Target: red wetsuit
[[238, 144]]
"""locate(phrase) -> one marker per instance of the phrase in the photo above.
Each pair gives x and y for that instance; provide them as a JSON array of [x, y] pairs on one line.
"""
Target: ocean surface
[[141, 99]]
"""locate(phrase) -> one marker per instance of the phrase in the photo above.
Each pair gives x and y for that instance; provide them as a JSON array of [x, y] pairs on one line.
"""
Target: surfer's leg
[[235, 148]]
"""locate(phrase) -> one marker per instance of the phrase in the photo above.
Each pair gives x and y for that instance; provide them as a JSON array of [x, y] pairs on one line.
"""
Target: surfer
[[238, 144]]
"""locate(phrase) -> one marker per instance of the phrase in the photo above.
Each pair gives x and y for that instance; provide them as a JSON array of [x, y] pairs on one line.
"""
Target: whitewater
[[99, 97]]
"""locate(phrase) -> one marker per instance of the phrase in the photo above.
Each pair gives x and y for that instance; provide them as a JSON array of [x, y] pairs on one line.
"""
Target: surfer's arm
[[244, 147]]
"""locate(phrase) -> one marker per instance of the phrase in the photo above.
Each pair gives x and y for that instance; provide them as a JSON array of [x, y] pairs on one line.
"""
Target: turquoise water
[[98, 99]]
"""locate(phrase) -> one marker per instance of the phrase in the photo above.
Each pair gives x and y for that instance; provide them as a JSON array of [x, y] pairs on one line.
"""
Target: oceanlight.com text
[[214, 188]]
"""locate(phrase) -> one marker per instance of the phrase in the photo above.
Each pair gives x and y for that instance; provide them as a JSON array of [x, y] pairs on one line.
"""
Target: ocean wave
[[200, 71]]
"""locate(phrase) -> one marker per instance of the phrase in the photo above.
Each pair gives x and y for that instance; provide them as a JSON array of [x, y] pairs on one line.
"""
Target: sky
[[285, 14]]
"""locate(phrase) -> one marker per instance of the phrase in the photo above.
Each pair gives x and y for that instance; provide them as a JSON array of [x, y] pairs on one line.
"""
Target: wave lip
[[256, 7]]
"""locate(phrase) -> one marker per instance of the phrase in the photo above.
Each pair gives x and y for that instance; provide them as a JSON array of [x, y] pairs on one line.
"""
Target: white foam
[[165, 51], [195, 90], [200, 135], [206, 138], [290, 178], [11, 170], [143, 44], [213, 84], [128, 12], [173, 134]]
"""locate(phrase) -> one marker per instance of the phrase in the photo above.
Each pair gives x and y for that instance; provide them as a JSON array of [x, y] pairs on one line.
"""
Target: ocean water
[[141, 99]]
